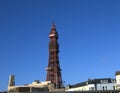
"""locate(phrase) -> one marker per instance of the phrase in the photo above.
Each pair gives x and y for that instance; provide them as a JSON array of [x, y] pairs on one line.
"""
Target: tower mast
[[53, 69]]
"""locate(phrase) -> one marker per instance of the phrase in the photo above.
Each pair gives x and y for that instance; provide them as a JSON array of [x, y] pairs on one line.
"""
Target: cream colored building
[[117, 74], [33, 87]]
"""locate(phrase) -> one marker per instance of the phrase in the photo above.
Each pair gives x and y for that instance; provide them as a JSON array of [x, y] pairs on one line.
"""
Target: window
[[104, 81], [113, 87], [103, 88], [91, 88], [106, 87], [87, 83], [113, 81]]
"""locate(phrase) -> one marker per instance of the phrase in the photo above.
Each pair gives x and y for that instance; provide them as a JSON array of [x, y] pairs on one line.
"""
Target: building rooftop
[[117, 73], [94, 81]]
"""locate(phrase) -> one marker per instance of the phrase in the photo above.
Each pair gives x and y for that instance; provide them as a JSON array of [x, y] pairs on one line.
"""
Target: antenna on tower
[[53, 25]]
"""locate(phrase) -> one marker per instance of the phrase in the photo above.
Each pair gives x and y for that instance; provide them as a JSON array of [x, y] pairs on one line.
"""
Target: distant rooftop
[[117, 73], [94, 81]]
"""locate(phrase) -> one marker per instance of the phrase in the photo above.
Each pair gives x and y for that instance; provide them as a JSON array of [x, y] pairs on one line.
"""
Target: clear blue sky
[[89, 38]]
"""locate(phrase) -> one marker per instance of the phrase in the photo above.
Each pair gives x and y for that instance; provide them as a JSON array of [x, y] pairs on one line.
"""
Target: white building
[[94, 84]]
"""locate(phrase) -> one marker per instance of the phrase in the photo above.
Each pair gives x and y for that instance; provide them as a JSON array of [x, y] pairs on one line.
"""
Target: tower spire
[[53, 32], [53, 69], [53, 25]]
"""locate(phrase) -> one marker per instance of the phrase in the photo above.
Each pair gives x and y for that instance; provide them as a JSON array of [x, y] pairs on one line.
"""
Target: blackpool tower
[[53, 69]]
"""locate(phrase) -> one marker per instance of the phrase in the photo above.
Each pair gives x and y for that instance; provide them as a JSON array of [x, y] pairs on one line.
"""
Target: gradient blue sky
[[89, 38]]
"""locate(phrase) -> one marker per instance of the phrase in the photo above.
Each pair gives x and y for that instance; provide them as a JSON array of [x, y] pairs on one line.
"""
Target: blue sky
[[89, 38]]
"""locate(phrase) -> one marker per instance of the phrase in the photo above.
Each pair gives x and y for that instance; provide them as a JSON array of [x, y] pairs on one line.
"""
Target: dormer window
[[113, 81], [104, 81]]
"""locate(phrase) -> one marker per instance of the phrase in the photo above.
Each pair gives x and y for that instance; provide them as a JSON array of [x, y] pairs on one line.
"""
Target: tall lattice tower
[[53, 69]]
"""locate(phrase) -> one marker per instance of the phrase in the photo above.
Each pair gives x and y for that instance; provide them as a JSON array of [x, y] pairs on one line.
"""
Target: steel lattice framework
[[53, 69]]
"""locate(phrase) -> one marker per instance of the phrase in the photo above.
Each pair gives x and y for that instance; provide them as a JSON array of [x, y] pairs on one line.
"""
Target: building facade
[[35, 86], [94, 85], [117, 74]]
